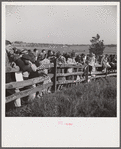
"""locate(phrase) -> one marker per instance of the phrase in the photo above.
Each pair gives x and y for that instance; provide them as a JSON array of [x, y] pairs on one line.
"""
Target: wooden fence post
[[55, 73]]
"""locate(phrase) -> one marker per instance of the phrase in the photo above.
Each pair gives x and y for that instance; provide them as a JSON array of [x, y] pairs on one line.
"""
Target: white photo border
[[47, 132]]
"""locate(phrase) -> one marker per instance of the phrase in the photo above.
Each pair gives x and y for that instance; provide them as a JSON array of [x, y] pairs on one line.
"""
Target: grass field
[[78, 48], [94, 99]]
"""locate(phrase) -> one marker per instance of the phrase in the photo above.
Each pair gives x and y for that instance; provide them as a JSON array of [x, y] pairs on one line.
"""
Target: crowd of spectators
[[31, 64]]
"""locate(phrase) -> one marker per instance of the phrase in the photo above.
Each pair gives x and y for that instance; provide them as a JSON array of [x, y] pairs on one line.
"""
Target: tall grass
[[94, 99]]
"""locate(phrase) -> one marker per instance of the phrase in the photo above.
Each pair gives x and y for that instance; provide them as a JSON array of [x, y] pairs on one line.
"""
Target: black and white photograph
[[60, 62]]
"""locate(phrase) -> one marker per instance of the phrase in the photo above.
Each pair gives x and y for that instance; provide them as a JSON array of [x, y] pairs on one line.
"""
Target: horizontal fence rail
[[102, 76], [24, 83], [69, 74], [27, 92], [58, 72], [70, 81]]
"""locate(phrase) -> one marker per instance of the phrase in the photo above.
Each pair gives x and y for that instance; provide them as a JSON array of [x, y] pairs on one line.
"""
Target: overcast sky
[[66, 24]]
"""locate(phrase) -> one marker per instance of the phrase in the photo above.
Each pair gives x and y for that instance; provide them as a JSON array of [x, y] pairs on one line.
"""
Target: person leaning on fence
[[71, 60], [60, 58], [105, 63], [51, 56], [27, 68], [37, 70], [11, 77], [114, 60], [81, 59], [84, 57], [42, 61], [78, 59], [92, 63], [42, 71]]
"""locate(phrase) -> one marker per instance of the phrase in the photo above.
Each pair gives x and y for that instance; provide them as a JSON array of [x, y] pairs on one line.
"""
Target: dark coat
[[23, 67]]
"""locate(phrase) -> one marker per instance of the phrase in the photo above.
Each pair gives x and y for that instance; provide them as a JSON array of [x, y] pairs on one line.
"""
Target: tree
[[97, 47]]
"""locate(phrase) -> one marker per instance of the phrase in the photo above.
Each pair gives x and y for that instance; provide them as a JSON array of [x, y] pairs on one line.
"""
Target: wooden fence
[[59, 76]]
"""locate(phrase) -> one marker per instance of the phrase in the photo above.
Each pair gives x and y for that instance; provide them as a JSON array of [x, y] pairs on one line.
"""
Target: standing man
[[14, 76]]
